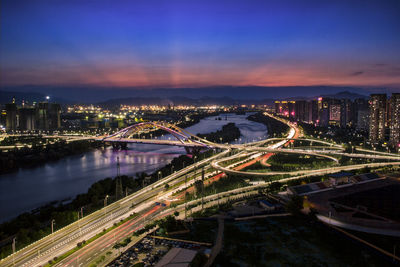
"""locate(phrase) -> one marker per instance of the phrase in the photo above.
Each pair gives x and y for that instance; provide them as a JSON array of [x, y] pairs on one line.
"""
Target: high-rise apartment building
[[346, 113], [42, 116], [27, 119], [54, 116], [377, 115], [11, 117], [394, 137], [361, 114]]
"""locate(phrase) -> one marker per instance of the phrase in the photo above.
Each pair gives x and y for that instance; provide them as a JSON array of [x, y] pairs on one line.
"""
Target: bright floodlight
[[47, 97]]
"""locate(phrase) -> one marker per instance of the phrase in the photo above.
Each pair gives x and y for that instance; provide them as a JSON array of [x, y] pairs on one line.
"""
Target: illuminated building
[[282, 108], [377, 109], [361, 114], [11, 116], [394, 137], [27, 118], [334, 114]]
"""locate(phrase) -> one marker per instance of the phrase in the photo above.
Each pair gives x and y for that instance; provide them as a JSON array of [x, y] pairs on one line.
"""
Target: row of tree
[[31, 226], [38, 154], [229, 132], [275, 128]]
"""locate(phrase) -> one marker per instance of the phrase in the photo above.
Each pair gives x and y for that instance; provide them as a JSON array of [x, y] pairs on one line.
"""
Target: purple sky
[[105, 43]]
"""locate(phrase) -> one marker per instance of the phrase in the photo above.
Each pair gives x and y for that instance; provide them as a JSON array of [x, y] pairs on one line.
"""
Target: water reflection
[[28, 189]]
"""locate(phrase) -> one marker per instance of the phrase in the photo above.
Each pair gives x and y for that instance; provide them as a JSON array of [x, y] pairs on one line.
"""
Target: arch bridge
[[132, 133]]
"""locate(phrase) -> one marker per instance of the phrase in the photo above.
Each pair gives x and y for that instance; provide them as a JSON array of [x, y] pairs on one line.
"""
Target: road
[[66, 238], [142, 202]]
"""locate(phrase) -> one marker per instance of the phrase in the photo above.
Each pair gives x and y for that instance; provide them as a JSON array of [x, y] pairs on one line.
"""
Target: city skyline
[[199, 133], [179, 44]]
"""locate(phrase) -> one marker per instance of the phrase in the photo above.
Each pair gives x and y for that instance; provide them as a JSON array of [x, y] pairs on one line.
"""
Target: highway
[[66, 238], [143, 201]]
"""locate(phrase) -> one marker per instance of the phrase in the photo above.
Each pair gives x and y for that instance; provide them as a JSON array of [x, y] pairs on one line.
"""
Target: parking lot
[[150, 250]]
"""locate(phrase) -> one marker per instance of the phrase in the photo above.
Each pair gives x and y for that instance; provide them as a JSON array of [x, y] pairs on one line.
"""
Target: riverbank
[[278, 128], [34, 225], [38, 154], [227, 134], [31, 226], [39, 150]]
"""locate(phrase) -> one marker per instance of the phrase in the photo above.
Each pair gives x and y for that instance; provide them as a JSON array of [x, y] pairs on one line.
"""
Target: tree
[[166, 187], [199, 187], [295, 205], [275, 186]]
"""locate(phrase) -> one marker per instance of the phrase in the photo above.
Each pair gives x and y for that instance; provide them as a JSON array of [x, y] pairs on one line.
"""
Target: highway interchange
[[142, 202]]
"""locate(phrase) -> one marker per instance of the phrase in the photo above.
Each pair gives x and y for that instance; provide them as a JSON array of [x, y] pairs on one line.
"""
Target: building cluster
[[42, 116], [379, 115], [327, 111], [384, 116]]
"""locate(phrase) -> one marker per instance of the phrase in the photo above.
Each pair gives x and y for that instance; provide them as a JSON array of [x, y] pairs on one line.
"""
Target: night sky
[[199, 43]]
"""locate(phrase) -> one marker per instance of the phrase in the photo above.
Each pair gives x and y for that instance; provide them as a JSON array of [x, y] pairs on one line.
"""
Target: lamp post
[[79, 225], [52, 230], [13, 249], [105, 204], [159, 175]]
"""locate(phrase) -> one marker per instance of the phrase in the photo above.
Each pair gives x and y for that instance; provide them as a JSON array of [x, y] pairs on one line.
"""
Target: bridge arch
[[184, 137]]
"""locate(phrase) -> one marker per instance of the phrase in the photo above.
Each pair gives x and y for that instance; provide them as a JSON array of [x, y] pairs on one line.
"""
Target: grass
[[287, 162]]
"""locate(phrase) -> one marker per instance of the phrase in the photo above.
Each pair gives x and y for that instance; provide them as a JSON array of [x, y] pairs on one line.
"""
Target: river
[[30, 188]]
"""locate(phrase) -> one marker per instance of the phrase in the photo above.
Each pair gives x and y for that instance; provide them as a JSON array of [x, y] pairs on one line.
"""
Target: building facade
[[394, 136], [377, 118]]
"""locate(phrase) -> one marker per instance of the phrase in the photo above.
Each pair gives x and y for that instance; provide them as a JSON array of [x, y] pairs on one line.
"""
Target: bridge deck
[[152, 141]]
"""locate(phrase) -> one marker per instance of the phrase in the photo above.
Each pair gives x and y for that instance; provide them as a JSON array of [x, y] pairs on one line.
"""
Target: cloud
[[357, 73]]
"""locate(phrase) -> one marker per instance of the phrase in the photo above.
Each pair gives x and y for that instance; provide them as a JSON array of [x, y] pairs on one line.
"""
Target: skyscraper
[[361, 114], [394, 138], [42, 116], [346, 113], [27, 119], [11, 117], [334, 114], [54, 116], [377, 114]]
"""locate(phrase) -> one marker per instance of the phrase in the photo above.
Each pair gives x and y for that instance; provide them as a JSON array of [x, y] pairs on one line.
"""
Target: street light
[[105, 204], [52, 225], [52, 230], [13, 249], [159, 175]]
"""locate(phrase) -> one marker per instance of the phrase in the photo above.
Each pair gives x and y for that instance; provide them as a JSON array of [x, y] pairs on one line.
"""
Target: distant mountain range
[[178, 100], [222, 95], [340, 95]]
